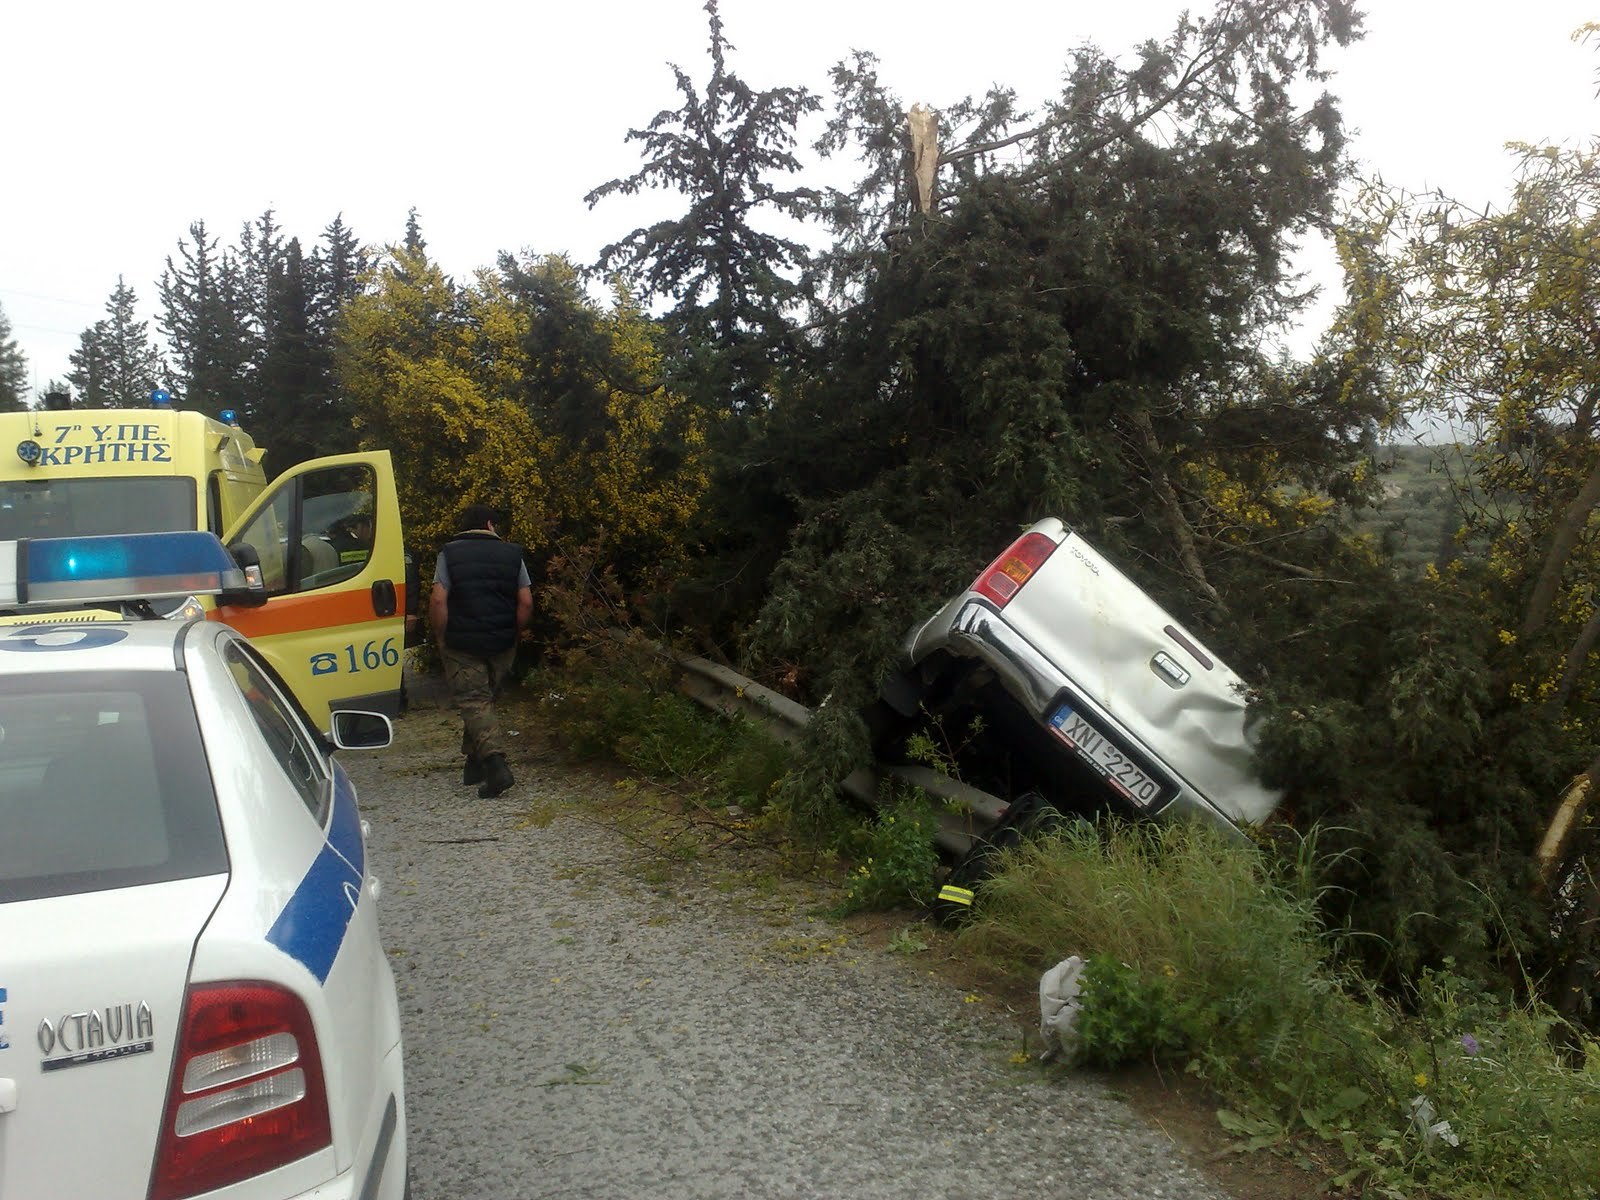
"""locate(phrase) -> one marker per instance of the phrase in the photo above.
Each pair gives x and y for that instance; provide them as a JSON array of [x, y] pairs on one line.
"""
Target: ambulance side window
[[214, 504], [268, 534], [336, 524], [316, 530]]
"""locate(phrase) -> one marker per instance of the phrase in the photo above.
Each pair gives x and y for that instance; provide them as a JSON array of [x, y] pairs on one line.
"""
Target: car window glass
[[85, 506], [268, 534], [317, 529], [103, 784], [337, 524], [214, 503], [284, 734]]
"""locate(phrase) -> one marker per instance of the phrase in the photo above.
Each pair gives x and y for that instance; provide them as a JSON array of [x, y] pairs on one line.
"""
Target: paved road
[[573, 1031]]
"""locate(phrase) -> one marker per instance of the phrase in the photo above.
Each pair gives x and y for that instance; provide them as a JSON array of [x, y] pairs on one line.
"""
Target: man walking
[[482, 599]]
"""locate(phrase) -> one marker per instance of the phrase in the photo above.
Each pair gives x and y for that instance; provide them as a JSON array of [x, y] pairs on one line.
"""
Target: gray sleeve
[[441, 573], [522, 577]]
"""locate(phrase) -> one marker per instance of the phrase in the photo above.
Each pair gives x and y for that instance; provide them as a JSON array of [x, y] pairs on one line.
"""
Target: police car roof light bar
[[135, 566]]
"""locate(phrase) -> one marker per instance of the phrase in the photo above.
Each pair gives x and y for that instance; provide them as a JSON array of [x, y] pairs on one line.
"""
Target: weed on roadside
[[894, 854], [1199, 954]]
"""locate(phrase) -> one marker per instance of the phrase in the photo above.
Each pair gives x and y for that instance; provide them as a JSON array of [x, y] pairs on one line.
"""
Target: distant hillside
[[1417, 514]]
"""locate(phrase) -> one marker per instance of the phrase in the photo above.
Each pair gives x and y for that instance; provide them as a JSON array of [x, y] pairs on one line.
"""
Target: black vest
[[483, 593]]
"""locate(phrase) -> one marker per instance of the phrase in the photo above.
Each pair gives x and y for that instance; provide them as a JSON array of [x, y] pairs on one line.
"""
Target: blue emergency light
[[135, 566]]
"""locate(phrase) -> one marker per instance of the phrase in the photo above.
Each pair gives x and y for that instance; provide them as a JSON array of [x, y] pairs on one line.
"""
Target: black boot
[[497, 776], [473, 772]]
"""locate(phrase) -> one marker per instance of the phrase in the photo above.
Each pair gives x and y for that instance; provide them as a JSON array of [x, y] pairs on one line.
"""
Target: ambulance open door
[[327, 533]]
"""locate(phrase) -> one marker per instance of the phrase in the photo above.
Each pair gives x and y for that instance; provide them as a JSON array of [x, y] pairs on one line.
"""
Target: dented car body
[[1088, 690]]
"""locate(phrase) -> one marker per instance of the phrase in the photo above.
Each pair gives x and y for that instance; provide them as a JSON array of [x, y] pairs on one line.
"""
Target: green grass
[[1200, 952]]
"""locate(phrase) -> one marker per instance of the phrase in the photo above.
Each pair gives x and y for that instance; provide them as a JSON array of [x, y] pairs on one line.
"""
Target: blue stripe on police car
[[312, 925]]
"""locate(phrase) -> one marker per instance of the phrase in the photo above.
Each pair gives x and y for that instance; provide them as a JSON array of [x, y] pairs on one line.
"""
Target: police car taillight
[[247, 1092], [1005, 576]]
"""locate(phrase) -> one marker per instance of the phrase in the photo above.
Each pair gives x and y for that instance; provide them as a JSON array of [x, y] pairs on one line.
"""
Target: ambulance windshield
[[45, 508]]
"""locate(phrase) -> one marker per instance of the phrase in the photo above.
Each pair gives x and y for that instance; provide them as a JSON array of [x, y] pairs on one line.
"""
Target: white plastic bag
[[1059, 1007]]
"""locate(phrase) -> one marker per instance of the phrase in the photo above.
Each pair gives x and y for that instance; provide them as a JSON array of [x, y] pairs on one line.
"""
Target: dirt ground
[[1172, 1103], [1176, 1105]]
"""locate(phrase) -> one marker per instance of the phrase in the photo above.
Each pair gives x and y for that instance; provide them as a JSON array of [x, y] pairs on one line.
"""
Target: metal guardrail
[[969, 813]]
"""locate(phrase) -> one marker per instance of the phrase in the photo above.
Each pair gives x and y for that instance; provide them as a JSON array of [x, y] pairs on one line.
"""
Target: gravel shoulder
[[591, 1010]]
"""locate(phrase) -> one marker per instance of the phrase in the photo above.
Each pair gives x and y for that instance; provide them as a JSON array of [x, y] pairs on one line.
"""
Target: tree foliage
[[1484, 323], [13, 369], [116, 365], [733, 279], [1075, 328], [205, 318], [431, 370], [519, 391]]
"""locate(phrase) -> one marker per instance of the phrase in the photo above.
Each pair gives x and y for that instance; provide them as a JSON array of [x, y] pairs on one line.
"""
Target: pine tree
[[734, 284], [13, 370], [132, 366], [414, 242], [91, 368], [338, 268], [205, 318], [290, 417]]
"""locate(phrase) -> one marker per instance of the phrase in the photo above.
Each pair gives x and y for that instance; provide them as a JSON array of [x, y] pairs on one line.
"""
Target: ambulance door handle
[[8, 1096], [383, 598]]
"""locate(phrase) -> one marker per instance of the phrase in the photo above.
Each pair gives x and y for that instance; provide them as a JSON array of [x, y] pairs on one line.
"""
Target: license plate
[[1124, 776]]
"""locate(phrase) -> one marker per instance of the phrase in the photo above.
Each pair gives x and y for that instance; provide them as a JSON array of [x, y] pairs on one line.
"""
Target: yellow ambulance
[[326, 533]]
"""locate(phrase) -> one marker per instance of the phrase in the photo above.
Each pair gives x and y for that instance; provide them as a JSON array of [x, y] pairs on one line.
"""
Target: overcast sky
[[127, 121]]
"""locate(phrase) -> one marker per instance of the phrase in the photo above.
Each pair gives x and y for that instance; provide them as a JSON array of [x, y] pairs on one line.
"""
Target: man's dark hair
[[477, 516]]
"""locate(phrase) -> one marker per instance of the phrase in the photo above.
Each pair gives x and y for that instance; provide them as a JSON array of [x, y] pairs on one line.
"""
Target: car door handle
[[383, 598], [8, 1096]]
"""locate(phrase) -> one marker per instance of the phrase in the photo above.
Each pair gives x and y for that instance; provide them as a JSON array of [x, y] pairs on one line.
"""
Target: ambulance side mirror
[[254, 593]]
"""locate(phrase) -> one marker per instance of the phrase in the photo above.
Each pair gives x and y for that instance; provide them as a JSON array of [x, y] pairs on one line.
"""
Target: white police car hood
[[91, 997]]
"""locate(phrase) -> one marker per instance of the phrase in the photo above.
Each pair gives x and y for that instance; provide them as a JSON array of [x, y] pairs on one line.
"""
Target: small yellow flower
[[1507, 638], [1420, 1079], [1019, 1059], [969, 999], [1169, 970]]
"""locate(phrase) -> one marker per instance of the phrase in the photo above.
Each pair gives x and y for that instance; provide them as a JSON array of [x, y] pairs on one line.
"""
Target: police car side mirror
[[254, 593], [350, 730]]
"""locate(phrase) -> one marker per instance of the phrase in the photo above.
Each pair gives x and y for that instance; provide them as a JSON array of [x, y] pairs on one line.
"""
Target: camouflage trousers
[[474, 681]]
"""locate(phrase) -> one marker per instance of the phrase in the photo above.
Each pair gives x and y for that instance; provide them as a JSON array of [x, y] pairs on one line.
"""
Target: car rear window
[[103, 784]]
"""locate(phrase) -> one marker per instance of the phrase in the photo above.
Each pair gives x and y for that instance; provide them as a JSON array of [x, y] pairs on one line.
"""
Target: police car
[[193, 997]]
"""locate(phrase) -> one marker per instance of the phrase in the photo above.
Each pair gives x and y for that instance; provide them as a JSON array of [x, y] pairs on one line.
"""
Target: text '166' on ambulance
[[326, 533]]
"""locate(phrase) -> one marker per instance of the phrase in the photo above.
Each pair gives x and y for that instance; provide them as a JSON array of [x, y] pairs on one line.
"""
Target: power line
[[42, 296], [21, 325]]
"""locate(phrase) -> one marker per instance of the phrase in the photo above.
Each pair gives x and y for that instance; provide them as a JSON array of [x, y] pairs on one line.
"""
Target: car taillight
[[247, 1090], [1006, 574]]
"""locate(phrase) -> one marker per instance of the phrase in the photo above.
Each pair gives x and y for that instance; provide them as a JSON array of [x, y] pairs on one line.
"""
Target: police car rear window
[[95, 507], [103, 784]]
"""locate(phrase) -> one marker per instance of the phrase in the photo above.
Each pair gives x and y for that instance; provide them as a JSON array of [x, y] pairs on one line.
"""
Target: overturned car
[[1053, 673]]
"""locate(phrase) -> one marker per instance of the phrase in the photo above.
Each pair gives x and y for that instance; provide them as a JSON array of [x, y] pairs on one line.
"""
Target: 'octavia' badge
[[1167, 667], [81, 1039]]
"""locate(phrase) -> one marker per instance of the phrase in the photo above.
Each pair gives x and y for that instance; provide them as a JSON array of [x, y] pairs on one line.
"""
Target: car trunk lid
[[91, 996]]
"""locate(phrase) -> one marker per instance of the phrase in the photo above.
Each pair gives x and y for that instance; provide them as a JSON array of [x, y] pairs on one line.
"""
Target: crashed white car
[[1090, 693], [193, 996]]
